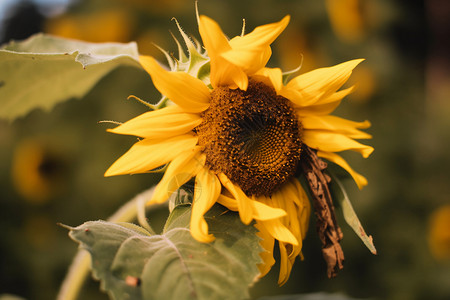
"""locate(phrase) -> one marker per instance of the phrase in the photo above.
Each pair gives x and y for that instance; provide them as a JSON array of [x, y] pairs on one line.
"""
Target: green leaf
[[339, 194], [131, 264], [44, 70]]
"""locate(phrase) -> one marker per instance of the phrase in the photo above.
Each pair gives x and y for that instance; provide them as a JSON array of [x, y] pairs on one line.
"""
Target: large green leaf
[[131, 264], [44, 70]]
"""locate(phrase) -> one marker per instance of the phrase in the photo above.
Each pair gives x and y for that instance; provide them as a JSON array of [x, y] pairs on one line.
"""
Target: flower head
[[242, 132]]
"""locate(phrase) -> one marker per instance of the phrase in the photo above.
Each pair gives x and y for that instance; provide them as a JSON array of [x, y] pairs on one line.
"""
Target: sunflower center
[[251, 136]]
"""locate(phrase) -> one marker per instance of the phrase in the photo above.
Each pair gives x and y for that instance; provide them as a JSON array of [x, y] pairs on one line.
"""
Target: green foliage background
[[407, 173]]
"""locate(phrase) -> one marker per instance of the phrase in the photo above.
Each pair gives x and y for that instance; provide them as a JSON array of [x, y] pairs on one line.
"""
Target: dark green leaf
[[131, 264]]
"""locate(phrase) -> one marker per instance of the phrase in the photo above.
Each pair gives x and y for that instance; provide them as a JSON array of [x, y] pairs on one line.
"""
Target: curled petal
[[213, 38], [244, 203], [279, 231], [314, 87], [222, 71], [188, 92], [286, 264], [251, 52], [261, 37], [148, 154], [180, 170], [162, 123], [334, 142], [207, 190], [360, 180]]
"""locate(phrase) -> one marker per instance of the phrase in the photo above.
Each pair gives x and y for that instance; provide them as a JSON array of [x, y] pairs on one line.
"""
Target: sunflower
[[242, 132]]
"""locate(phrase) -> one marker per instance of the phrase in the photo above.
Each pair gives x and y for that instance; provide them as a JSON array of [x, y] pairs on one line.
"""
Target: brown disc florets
[[251, 136]]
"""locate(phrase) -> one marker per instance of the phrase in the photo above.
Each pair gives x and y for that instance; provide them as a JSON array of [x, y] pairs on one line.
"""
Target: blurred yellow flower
[[37, 171], [241, 132], [439, 233], [112, 25], [346, 19]]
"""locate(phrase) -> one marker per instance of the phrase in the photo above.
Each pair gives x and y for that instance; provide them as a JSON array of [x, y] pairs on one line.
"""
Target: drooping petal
[[180, 170], [285, 264], [261, 211], [360, 180], [334, 142], [251, 52], [267, 243], [162, 123], [279, 231], [271, 77], [317, 85], [244, 203], [148, 154], [304, 207], [287, 199], [222, 71], [327, 106], [207, 189], [188, 92], [336, 124]]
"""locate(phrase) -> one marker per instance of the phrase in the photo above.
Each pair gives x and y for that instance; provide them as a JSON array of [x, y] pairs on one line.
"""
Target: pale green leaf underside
[[44, 70], [173, 265], [349, 213]]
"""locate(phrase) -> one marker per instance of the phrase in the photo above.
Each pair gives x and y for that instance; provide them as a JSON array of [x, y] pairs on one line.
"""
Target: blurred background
[[52, 164]]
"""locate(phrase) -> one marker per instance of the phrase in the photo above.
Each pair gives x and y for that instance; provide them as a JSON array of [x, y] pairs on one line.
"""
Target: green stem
[[81, 264]]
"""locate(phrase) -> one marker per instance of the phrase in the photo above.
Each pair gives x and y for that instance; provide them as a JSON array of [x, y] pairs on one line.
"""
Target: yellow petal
[[148, 154], [360, 180], [336, 124], [334, 142], [252, 51], [213, 38], [261, 211], [285, 265], [180, 170], [271, 77], [188, 92], [223, 73], [267, 243], [207, 189], [284, 199], [261, 37], [162, 123], [228, 202], [327, 106], [244, 203], [316, 86], [304, 207], [276, 229]]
